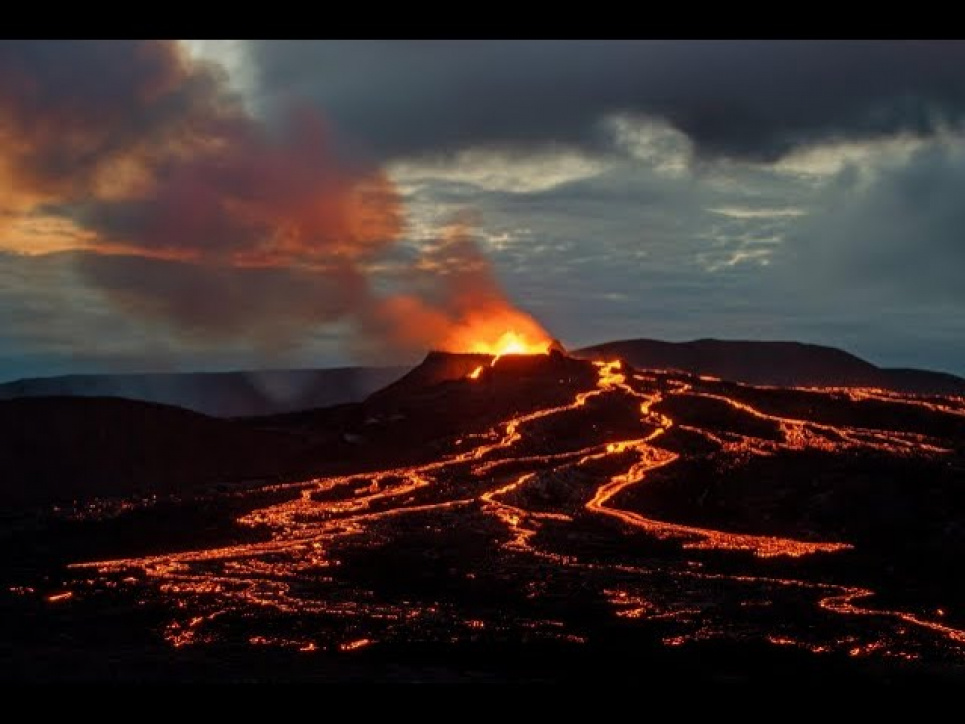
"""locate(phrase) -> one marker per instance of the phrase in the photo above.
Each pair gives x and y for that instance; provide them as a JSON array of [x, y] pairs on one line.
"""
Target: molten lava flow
[[537, 487]]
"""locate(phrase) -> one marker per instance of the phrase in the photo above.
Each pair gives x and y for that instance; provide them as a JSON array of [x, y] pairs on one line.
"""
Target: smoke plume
[[189, 211]]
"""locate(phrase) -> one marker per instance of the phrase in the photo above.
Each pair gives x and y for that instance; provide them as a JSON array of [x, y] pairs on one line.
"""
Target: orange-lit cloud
[[189, 211], [462, 307]]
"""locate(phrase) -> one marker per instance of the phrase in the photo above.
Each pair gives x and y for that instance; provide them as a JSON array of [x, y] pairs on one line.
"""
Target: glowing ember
[[474, 375], [353, 645]]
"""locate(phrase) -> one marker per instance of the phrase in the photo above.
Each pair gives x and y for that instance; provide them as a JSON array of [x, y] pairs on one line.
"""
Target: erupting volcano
[[507, 496], [283, 396], [562, 503]]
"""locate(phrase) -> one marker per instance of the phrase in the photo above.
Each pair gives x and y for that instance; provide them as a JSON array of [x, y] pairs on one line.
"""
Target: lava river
[[533, 528]]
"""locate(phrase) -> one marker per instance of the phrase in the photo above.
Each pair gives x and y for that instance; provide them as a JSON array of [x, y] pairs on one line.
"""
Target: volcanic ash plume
[[462, 307], [185, 209]]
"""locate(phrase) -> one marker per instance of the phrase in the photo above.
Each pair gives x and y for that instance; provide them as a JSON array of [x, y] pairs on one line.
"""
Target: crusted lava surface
[[525, 518]]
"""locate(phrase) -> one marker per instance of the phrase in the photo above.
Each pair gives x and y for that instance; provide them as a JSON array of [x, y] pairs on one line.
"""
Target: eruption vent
[[459, 306]]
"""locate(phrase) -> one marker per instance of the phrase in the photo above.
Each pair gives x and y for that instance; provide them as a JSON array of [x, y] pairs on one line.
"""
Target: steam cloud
[[196, 214]]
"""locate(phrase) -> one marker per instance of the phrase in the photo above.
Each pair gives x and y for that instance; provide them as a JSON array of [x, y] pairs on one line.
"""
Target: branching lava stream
[[529, 498]]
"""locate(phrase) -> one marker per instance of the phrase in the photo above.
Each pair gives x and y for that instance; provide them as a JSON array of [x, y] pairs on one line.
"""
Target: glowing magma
[[497, 332], [512, 343], [508, 343], [489, 473]]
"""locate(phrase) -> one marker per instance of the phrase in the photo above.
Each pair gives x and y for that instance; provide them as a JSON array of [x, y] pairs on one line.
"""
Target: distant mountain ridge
[[774, 363], [221, 394], [256, 393]]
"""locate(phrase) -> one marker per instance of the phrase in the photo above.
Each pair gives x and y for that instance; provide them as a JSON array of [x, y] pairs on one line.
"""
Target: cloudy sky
[[225, 204]]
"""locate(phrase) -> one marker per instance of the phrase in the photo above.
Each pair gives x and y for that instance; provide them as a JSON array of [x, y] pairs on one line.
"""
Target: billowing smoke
[[194, 213], [461, 307]]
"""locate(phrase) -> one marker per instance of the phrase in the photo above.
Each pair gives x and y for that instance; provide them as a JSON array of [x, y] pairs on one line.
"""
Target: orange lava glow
[[511, 343], [354, 645], [531, 494], [496, 328]]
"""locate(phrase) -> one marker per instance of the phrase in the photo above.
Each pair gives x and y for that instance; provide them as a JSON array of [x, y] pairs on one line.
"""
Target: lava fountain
[[483, 337], [511, 343], [499, 332], [457, 304]]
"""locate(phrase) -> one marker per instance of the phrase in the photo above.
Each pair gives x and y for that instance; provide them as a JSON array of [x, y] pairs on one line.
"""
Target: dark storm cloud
[[752, 99], [70, 107], [897, 236]]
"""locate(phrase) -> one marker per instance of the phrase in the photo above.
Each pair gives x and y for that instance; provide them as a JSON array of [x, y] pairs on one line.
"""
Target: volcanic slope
[[549, 500]]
